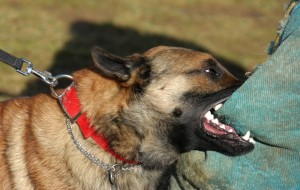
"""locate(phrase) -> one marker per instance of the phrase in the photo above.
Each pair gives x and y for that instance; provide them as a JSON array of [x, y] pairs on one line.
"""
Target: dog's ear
[[113, 66]]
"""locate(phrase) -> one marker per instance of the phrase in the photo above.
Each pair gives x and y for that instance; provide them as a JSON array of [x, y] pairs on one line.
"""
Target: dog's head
[[172, 93]]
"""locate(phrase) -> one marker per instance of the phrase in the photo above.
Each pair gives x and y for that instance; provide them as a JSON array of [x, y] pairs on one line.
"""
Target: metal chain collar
[[113, 169]]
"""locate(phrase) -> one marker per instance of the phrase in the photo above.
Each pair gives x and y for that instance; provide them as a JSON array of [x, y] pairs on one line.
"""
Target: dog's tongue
[[214, 127]]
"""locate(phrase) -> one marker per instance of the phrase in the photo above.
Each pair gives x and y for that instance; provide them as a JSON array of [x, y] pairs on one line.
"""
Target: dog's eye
[[212, 71]]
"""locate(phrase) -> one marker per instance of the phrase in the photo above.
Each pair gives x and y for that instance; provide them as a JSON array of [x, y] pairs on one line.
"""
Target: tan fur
[[36, 151]]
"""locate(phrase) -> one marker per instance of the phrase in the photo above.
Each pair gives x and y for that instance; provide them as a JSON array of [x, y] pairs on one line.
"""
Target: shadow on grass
[[119, 40], [5, 94]]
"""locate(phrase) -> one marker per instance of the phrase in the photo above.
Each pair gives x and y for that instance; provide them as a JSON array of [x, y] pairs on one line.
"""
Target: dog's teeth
[[251, 140], [216, 121], [230, 130], [222, 126], [246, 136], [209, 116], [218, 106]]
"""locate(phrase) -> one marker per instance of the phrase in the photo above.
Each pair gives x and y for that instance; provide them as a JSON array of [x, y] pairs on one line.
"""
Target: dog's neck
[[103, 113]]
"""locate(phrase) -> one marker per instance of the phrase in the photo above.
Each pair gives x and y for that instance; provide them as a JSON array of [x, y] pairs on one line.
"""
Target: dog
[[139, 113]]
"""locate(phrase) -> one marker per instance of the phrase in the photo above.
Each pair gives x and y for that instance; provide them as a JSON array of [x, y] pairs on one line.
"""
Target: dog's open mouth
[[215, 128], [224, 136]]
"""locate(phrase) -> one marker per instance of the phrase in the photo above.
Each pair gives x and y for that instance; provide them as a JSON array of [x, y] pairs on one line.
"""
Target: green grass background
[[58, 35]]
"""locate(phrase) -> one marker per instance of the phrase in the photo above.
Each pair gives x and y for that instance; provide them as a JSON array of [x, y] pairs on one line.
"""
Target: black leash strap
[[15, 62], [45, 76]]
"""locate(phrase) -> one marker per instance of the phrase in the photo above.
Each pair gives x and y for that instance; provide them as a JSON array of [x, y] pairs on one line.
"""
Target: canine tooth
[[218, 106], [230, 130], [251, 140], [222, 126], [246, 136]]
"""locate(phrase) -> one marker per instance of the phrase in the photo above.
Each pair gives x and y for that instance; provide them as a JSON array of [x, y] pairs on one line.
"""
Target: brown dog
[[138, 113]]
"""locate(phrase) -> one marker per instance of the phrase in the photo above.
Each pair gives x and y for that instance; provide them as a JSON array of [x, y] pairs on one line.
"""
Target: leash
[[14, 62], [18, 64], [70, 104]]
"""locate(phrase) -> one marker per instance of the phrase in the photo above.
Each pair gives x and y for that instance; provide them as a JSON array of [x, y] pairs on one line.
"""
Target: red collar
[[70, 103]]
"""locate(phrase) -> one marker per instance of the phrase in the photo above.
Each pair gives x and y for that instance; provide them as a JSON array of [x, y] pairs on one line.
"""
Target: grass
[[58, 35]]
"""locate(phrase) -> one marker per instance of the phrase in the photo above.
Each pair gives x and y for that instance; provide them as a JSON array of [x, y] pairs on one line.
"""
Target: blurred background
[[58, 35]]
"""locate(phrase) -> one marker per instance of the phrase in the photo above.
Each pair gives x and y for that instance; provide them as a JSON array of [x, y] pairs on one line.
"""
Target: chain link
[[114, 169]]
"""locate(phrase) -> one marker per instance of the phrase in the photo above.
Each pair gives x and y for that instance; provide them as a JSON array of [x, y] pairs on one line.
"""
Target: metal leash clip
[[18, 64], [28, 69], [45, 75]]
